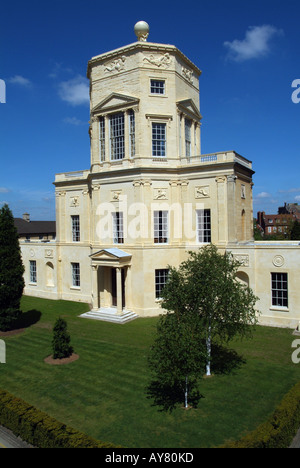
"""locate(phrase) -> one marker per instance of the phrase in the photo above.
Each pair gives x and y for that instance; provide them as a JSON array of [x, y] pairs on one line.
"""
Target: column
[[222, 207], [95, 292], [232, 208], [119, 291]]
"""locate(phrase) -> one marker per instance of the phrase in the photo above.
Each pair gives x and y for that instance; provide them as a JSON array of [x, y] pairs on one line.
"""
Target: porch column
[[119, 291], [96, 304]]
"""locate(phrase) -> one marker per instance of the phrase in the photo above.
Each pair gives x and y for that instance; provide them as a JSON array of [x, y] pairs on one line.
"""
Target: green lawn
[[103, 393]]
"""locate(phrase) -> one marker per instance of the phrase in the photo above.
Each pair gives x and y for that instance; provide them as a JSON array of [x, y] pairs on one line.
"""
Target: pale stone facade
[[150, 196]]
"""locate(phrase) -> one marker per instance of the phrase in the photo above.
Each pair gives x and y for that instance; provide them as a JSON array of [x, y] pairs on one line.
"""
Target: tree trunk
[[186, 393], [208, 348]]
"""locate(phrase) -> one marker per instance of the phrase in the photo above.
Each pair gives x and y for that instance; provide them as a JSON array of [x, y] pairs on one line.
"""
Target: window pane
[[75, 228], [157, 87], [279, 283], [161, 277], [188, 140], [118, 235], [75, 274], [132, 132], [102, 138], [33, 273], [158, 139], [117, 139], [204, 226], [160, 227]]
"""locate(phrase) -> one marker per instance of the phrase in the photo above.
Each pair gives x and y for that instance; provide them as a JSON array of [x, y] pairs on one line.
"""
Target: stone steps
[[110, 315]]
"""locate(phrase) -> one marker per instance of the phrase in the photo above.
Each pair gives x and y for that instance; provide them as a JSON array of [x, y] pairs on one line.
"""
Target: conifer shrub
[[61, 340]]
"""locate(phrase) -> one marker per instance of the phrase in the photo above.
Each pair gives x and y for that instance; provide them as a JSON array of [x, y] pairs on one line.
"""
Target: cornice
[[141, 46]]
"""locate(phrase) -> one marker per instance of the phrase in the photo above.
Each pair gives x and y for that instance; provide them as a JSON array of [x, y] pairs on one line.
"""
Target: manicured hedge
[[279, 430], [39, 429]]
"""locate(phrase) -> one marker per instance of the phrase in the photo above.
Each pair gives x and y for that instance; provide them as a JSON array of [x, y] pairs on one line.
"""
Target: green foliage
[[177, 360], [279, 430], [61, 340], [205, 289], [11, 271], [295, 231], [39, 429]]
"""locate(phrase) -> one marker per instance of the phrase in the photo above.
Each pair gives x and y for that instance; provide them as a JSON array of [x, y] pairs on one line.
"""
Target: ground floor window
[[33, 272], [279, 289], [75, 274], [161, 277]]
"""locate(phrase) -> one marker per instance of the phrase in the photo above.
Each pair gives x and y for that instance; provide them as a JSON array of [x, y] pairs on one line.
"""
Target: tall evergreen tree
[[11, 270]]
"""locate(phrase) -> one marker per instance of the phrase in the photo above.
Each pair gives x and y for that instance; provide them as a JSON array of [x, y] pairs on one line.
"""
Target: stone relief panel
[[202, 192], [74, 202], [116, 66], [187, 74], [243, 259], [160, 194], [116, 195], [159, 61]]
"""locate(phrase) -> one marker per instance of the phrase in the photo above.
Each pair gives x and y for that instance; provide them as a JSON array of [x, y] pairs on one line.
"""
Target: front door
[[114, 287]]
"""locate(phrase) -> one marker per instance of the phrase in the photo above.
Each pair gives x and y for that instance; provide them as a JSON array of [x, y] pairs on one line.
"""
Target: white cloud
[[20, 80], [4, 190], [297, 198], [256, 43], [75, 91], [73, 121], [263, 195]]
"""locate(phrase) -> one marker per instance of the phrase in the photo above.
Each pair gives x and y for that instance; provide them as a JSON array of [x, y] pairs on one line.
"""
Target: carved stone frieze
[[117, 65], [202, 192], [160, 61]]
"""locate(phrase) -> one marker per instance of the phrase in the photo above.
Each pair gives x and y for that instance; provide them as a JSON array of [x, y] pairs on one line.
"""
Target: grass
[[103, 393]]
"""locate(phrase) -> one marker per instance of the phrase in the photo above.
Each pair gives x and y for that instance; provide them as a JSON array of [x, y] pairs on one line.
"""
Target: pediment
[[112, 256], [114, 102], [189, 107]]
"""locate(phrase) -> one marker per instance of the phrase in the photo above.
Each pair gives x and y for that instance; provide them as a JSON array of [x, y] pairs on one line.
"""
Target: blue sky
[[248, 52]]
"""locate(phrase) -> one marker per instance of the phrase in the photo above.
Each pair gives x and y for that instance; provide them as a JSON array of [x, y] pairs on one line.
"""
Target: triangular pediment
[[189, 107], [111, 256], [114, 102]]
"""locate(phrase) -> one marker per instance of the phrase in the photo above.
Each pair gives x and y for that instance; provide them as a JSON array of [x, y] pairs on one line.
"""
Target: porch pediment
[[115, 102], [111, 257], [189, 107]]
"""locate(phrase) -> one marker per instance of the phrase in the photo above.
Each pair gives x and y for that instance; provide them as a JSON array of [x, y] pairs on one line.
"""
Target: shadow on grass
[[27, 319], [224, 362], [168, 397]]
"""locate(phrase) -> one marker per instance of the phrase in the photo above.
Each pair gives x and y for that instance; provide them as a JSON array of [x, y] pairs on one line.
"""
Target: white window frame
[[117, 136], [75, 270], [118, 227], [102, 138], [160, 142], [32, 272], [161, 277], [161, 226], [131, 127], [188, 136], [157, 87], [75, 226], [279, 290], [203, 226]]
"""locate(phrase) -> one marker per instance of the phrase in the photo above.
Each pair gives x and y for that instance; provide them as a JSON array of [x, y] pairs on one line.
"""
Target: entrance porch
[[111, 270]]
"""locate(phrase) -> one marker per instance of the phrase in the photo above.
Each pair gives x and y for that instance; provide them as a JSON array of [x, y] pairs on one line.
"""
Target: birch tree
[[205, 289]]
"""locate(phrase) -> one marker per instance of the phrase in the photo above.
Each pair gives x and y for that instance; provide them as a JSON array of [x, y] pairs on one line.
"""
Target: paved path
[[9, 440]]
